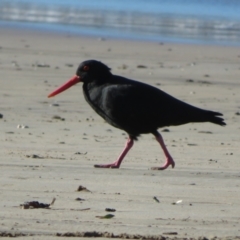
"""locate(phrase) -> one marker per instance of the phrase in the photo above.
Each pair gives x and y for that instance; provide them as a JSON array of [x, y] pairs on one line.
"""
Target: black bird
[[135, 107]]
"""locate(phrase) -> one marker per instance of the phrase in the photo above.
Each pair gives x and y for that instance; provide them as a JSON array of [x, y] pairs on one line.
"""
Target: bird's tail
[[213, 117]]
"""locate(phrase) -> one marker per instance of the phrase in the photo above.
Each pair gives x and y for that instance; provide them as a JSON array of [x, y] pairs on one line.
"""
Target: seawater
[[184, 21]]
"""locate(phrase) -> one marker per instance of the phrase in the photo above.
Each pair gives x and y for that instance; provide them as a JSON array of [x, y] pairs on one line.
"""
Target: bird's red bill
[[74, 80]]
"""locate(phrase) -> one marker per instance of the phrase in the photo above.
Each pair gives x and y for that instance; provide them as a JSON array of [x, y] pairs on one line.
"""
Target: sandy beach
[[49, 146]]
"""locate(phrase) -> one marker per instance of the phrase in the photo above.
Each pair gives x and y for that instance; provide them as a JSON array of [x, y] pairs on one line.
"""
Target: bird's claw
[[166, 165]]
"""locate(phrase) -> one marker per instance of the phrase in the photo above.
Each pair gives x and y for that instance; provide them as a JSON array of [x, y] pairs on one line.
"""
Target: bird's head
[[91, 70], [88, 71]]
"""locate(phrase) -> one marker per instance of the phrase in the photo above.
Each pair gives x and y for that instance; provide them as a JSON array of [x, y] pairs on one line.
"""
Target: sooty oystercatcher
[[135, 107]]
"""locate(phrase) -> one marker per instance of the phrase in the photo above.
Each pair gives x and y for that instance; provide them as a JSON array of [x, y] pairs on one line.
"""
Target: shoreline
[[74, 31]]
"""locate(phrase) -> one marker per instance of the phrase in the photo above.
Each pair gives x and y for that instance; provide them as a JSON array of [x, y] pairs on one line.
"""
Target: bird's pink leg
[[117, 163], [169, 160]]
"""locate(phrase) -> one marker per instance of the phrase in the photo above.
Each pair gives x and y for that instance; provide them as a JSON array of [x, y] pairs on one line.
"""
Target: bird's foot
[[168, 162], [111, 165]]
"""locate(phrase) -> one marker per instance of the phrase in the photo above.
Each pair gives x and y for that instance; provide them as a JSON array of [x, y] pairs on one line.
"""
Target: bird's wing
[[133, 104]]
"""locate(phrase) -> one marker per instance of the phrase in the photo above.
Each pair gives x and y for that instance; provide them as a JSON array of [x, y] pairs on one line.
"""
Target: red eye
[[86, 68]]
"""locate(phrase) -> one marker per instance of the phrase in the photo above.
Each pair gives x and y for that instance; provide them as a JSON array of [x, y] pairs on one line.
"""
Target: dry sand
[[40, 162]]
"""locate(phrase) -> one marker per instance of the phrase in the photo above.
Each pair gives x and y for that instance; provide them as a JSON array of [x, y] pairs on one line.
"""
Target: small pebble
[[43, 65], [58, 118], [54, 105], [80, 153], [110, 210], [79, 199], [165, 130], [22, 126], [141, 66], [69, 65]]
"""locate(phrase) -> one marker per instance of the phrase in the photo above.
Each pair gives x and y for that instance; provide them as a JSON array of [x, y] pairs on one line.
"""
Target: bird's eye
[[86, 68]]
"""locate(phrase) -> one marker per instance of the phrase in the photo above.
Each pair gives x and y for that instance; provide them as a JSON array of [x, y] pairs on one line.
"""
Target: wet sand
[[49, 146]]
